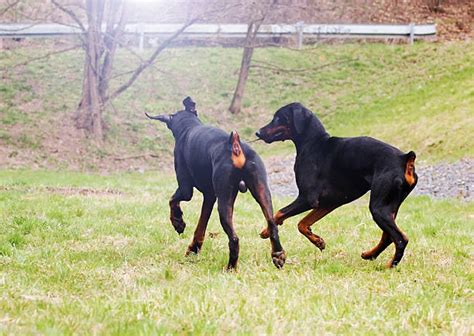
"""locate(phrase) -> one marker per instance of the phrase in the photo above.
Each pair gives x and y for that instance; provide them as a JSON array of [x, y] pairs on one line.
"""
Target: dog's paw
[[279, 259], [178, 224], [392, 263], [193, 249], [320, 243], [231, 267], [265, 233], [368, 255]]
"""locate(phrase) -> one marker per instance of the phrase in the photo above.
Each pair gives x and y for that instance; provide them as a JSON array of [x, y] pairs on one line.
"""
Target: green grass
[[91, 254], [418, 97]]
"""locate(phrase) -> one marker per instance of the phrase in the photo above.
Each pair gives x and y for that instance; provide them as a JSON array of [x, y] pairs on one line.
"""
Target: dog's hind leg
[[304, 226], [384, 204], [225, 206], [256, 180], [200, 232], [385, 215], [226, 189], [373, 253], [385, 240]]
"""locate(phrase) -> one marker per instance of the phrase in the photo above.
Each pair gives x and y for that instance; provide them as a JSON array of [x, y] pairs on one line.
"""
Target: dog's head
[[173, 121], [288, 123]]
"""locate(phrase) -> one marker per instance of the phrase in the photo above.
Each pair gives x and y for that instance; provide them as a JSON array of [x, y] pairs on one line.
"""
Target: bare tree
[[260, 11], [102, 32]]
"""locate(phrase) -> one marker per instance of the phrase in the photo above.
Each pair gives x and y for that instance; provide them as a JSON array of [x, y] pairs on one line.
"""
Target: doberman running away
[[218, 165]]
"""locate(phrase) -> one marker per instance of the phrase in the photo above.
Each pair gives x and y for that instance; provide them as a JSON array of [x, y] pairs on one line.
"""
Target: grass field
[[90, 254], [417, 97]]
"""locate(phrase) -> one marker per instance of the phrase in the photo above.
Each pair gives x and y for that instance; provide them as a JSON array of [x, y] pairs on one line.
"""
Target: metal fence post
[[412, 33], [299, 30]]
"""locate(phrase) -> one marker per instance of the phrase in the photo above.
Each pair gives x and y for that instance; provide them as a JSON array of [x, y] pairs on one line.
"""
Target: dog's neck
[[313, 134], [184, 126]]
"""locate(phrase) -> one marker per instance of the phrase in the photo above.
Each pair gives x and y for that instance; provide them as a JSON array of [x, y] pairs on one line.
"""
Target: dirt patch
[[65, 190]]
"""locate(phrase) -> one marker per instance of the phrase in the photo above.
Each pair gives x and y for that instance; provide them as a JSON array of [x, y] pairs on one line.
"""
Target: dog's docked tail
[[237, 156], [410, 176]]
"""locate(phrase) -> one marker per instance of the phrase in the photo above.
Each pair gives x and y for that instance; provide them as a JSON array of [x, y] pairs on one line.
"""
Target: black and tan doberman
[[218, 165], [332, 171]]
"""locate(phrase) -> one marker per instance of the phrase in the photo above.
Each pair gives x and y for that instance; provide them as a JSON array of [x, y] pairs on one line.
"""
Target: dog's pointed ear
[[189, 105], [300, 118]]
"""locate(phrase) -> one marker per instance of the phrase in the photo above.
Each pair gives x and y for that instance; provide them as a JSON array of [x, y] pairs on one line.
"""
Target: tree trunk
[[236, 104], [89, 114]]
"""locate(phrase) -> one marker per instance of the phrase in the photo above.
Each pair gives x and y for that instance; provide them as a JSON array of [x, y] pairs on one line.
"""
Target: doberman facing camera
[[218, 165], [332, 171]]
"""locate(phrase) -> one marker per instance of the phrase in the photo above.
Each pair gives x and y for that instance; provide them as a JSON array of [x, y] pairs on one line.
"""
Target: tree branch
[[71, 14], [8, 7], [149, 61]]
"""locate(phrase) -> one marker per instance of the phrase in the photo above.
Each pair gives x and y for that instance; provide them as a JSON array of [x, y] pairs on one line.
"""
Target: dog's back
[[205, 150], [365, 156]]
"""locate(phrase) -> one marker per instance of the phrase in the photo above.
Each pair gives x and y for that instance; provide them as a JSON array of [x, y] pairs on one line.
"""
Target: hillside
[[417, 97]]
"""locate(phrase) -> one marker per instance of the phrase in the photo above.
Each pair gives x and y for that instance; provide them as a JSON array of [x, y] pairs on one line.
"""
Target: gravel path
[[444, 180]]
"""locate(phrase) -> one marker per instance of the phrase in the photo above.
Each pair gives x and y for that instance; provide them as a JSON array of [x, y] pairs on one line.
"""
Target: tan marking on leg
[[278, 217], [376, 250], [265, 233], [305, 224], [200, 232]]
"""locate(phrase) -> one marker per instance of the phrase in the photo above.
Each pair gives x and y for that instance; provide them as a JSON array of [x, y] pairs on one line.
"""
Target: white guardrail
[[300, 29]]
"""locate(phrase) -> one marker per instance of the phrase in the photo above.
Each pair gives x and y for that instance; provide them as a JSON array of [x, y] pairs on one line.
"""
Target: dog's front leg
[[200, 232], [298, 206], [176, 214]]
